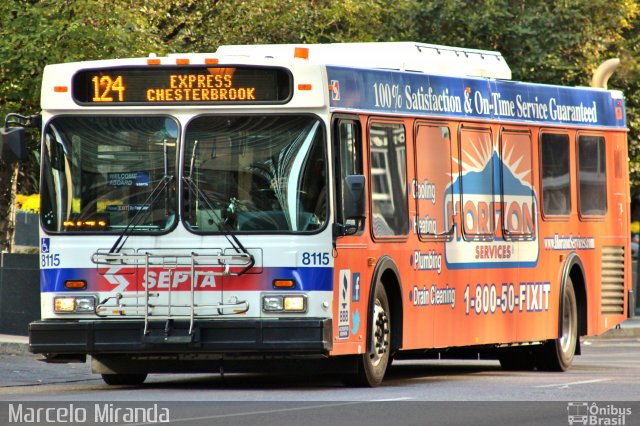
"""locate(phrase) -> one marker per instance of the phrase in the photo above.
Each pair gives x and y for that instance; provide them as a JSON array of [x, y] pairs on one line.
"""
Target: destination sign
[[182, 85]]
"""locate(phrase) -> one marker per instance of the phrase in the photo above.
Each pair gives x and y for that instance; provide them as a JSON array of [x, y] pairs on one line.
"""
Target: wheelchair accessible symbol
[[44, 245]]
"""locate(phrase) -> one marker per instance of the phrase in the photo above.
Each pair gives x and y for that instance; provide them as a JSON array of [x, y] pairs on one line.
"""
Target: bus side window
[[477, 184], [556, 180], [348, 154], [592, 175], [518, 199], [388, 164], [433, 178]]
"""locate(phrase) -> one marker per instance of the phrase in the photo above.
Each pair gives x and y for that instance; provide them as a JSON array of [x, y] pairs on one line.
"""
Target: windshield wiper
[[222, 225]]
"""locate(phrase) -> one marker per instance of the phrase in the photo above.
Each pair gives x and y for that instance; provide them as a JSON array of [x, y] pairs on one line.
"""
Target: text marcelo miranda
[[107, 413]]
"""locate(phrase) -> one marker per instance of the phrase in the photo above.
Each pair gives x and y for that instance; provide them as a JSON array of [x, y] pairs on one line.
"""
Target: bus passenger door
[[350, 270]]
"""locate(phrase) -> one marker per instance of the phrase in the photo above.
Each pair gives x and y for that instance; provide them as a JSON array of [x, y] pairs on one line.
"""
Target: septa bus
[[344, 204]]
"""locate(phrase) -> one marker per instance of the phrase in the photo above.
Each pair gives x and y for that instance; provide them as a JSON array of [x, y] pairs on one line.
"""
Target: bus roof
[[387, 78], [426, 79], [401, 56]]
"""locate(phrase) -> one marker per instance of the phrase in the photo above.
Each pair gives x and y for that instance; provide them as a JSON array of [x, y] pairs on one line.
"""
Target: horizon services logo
[[494, 199]]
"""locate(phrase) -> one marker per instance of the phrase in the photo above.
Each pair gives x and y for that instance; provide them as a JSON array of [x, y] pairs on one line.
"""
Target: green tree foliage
[[627, 78], [202, 25], [549, 41], [36, 33]]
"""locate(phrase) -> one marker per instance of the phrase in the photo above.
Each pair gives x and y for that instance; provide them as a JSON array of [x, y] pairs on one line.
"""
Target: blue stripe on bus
[[396, 92], [306, 279]]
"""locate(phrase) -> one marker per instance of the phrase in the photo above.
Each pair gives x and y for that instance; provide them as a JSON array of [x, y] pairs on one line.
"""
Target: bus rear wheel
[[124, 379], [372, 366], [557, 355]]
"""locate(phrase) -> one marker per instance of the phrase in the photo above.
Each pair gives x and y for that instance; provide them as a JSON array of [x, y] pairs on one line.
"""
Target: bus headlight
[[295, 303], [284, 303], [272, 303], [74, 304]]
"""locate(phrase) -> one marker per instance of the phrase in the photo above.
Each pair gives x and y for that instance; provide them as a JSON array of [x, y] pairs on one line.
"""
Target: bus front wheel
[[372, 366]]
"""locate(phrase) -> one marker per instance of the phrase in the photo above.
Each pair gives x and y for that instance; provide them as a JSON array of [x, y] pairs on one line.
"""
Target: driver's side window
[[348, 160]]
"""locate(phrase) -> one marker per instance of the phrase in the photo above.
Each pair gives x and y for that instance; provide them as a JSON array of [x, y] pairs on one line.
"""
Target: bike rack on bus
[[192, 260]]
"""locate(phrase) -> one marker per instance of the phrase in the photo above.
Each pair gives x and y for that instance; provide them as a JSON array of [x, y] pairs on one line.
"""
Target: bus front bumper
[[120, 336]]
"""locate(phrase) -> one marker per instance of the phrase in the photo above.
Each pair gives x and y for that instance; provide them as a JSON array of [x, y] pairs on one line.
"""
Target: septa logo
[[335, 90]]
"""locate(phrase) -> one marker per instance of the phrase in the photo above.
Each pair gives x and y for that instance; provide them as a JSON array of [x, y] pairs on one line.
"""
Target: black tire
[[371, 367], [557, 354], [124, 379]]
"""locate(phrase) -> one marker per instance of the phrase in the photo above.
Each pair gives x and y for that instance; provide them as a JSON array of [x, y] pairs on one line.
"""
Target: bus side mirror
[[354, 202], [13, 144]]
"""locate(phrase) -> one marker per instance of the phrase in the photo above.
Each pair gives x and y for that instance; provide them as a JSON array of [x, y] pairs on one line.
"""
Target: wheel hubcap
[[380, 334], [567, 338]]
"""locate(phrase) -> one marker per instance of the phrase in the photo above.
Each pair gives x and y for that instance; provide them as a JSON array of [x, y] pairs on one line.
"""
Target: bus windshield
[[250, 173], [104, 174]]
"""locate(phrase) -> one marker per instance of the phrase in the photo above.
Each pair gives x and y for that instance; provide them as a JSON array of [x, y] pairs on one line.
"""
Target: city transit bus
[[340, 205]]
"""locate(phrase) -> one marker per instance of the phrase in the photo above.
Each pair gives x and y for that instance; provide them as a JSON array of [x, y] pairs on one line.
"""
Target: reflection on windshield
[[255, 173], [98, 173]]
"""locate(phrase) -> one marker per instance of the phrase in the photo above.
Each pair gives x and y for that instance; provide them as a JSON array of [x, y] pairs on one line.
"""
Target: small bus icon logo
[[577, 412]]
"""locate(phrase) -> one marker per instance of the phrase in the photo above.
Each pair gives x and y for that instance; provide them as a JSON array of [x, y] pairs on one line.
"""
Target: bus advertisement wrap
[[408, 93]]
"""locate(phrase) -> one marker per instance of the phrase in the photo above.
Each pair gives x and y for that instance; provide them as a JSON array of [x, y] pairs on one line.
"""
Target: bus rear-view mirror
[[13, 144]]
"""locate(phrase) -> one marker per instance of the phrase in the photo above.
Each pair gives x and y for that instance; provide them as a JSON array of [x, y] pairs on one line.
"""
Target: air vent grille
[[612, 280]]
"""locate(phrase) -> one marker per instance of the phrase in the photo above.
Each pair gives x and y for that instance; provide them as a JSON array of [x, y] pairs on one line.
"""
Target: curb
[[14, 348], [618, 333]]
